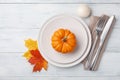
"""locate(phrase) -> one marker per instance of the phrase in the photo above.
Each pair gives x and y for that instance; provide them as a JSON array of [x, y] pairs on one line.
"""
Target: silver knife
[[102, 39]]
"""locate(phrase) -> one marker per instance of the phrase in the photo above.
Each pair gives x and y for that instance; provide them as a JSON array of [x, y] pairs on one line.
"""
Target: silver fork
[[99, 28]]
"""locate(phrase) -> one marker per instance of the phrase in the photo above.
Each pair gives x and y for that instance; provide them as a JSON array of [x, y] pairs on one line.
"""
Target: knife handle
[[95, 58]]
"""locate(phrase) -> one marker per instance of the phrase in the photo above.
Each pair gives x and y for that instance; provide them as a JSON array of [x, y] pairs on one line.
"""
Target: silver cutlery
[[102, 39], [99, 28]]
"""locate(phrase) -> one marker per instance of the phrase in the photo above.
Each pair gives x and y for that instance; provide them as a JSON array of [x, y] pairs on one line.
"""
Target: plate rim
[[85, 52], [57, 18]]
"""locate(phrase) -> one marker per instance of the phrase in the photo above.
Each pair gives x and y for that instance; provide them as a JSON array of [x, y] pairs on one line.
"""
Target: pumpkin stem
[[64, 39]]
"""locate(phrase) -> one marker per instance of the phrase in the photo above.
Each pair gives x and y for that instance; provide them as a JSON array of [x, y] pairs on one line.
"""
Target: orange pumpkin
[[63, 41]]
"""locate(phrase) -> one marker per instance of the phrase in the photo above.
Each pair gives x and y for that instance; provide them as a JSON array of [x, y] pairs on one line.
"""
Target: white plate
[[66, 22], [75, 25]]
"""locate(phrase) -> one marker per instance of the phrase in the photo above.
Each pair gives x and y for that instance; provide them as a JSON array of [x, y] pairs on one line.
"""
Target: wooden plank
[[59, 78], [34, 15], [58, 1], [23, 19], [13, 65], [19, 22], [12, 40], [106, 1]]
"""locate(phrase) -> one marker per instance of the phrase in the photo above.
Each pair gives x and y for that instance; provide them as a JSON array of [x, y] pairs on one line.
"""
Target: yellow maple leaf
[[27, 55], [31, 44]]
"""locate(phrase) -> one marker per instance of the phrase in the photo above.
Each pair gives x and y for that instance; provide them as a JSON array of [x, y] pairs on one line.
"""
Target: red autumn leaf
[[35, 53], [37, 67], [38, 60], [34, 60]]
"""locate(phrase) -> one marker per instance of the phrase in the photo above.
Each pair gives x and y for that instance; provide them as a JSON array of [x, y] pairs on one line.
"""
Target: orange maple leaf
[[38, 61], [37, 67]]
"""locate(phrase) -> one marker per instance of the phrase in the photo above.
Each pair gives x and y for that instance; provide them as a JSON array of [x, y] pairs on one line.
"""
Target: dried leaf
[[34, 57], [33, 60], [37, 67], [36, 53], [37, 58], [45, 66], [27, 55], [31, 44]]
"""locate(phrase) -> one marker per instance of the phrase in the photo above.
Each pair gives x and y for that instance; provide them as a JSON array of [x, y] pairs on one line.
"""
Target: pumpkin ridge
[[55, 43], [71, 35], [58, 47], [71, 45], [68, 47], [67, 32], [55, 38], [63, 49], [61, 33]]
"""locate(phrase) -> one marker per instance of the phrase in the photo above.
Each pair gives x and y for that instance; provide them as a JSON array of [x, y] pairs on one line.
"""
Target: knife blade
[[102, 39], [107, 28]]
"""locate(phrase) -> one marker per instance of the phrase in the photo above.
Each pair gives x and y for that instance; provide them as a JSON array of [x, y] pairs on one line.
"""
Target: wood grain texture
[[59, 1], [15, 65], [60, 78], [34, 15], [12, 40], [22, 19], [19, 22]]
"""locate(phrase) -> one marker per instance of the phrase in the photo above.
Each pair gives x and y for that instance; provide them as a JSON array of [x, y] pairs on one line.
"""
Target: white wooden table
[[22, 19]]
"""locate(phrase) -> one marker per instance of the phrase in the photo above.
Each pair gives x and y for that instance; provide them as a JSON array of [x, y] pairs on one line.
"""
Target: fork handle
[[95, 59], [89, 58]]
